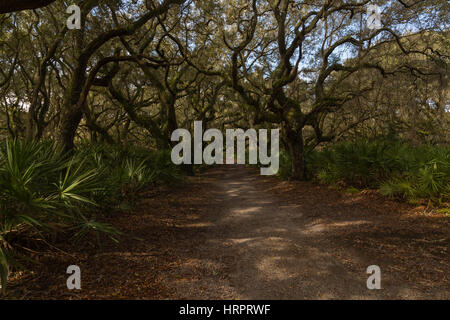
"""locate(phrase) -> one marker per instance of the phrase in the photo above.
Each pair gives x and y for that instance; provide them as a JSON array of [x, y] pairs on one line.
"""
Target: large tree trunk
[[297, 150], [31, 127], [67, 129], [34, 126]]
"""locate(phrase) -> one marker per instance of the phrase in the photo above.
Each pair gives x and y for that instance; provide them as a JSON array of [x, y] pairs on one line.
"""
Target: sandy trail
[[230, 233], [258, 245]]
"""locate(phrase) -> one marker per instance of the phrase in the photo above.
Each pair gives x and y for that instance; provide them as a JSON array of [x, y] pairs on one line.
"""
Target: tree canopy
[[137, 70]]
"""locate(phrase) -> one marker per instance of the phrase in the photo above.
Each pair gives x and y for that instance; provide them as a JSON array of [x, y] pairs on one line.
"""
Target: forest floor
[[229, 233]]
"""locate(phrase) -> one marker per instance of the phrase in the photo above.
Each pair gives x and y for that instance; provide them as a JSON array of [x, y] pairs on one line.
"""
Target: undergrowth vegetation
[[45, 193], [396, 168]]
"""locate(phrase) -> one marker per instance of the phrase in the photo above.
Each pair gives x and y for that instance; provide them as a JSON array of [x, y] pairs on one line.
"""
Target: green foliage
[[395, 167], [285, 168], [351, 190], [430, 180], [39, 188], [127, 171], [44, 192]]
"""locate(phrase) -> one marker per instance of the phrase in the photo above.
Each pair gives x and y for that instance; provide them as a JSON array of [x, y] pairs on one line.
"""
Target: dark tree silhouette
[[7, 6]]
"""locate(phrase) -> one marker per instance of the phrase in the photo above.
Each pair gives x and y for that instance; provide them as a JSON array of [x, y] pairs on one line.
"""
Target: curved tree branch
[[7, 6]]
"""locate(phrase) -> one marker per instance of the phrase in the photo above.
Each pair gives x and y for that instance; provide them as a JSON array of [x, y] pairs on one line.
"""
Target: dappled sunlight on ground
[[232, 234]]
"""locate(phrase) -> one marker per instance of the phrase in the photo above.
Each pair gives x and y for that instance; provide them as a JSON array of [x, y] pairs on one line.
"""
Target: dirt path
[[232, 234]]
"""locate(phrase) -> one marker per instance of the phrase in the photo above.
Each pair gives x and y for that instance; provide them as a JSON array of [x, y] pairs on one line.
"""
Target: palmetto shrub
[[395, 167], [428, 177], [364, 163], [43, 191], [127, 171]]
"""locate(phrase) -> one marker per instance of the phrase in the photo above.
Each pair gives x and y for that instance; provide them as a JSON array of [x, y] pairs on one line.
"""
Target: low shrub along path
[[229, 233]]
